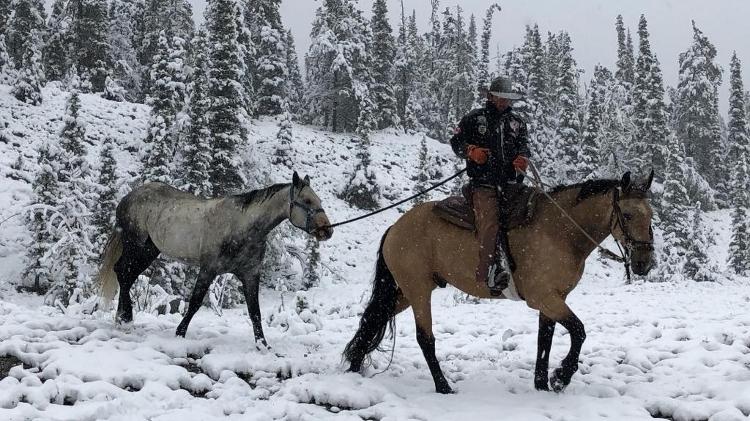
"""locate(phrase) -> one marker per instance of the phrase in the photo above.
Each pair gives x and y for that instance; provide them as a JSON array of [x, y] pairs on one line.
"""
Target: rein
[[414, 196]]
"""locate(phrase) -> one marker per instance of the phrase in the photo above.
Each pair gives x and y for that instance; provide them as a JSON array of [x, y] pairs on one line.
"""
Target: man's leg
[[484, 201]]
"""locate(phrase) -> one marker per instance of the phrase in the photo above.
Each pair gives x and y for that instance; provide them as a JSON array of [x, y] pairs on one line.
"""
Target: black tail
[[378, 315]]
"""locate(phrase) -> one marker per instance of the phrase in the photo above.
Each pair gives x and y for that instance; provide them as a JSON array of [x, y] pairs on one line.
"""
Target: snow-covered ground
[[674, 351]]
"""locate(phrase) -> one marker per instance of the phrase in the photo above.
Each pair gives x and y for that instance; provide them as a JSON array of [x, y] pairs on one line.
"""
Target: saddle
[[517, 207]]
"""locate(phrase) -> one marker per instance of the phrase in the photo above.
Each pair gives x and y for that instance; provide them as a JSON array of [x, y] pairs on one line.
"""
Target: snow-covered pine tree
[[226, 96], [591, 156], [56, 51], [739, 246], [284, 141], [106, 202], [89, 42], [196, 168], [483, 70], [460, 70], [7, 68], [697, 107], [27, 16], [245, 19], [270, 59], [513, 67], [646, 149], [625, 73], [383, 52], [568, 103], [29, 76], [697, 265], [74, 251], [738, 137], [167, 99], [407, 69], [6, 8], [434, 105], [423, 172], [122, 31], [46, 193], [294, 87], [675, 210], [541, 128], [311, 271]]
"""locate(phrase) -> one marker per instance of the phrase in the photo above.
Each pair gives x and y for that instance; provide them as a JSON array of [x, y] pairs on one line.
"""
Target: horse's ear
[[307, 180], [295, 179], [649, 180], [625, 182]]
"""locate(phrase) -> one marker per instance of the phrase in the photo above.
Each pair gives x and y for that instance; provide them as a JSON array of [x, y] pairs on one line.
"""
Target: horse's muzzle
[[323, 234], [642, 267]]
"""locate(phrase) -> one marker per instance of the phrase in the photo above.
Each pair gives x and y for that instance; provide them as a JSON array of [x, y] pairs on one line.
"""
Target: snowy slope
[[675, 351]]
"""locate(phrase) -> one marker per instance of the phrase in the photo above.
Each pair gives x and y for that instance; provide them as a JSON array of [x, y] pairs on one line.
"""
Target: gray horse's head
[[305, 210], [632, 222]]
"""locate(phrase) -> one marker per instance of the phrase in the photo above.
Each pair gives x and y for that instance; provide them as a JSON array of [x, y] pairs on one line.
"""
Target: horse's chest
[[239, 251]]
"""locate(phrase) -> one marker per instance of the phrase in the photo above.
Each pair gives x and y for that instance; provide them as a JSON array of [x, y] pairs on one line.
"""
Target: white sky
[[589, 22]]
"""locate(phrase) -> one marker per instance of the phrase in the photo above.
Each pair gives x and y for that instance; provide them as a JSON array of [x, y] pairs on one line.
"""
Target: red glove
[[521, 163], [477, 154]]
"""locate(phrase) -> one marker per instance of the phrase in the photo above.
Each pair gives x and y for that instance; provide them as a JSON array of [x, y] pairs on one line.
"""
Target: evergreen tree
[[739, 246], [311, 277], [28, 17], [89, 43], [646, 149], [625, 72], [56, 51], [197, 164], [7, 68], [245, 21], [697, 264], [46, 192], [167, 99], [675, 209], [568, 122], [383, 54], [541, 128], [590, 156], [294, 88], [407, 71], [697, 107], [104, 212], [423, 175], [284, 140], [122, 31], [6, 9], [483, 71], [270, 58], [738, 137], [27, 87], [227, 96]]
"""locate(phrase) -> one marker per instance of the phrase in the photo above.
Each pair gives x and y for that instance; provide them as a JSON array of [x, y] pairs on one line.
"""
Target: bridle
[[617, 219], [310, 212]]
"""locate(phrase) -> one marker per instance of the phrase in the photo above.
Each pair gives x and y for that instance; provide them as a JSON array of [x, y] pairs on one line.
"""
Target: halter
[[630, 242], [310, 212]]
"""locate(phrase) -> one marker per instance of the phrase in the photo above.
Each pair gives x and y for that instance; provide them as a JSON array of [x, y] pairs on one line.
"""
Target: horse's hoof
[[444, 389], [262, 345], [354, 368], [541, 385], [557, 382], [180, 332]]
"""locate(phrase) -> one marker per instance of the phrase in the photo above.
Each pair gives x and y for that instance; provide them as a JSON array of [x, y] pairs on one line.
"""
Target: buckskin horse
[[422, 249], [221, 235]]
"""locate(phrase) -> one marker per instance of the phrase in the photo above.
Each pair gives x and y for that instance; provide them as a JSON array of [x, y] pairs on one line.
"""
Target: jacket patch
[[515, 126], [482, 124]]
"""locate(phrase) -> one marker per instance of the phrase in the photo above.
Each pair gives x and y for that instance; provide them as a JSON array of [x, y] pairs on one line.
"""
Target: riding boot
[[500, 271]]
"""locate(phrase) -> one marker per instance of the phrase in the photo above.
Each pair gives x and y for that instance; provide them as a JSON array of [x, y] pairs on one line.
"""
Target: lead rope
[[538, 184]]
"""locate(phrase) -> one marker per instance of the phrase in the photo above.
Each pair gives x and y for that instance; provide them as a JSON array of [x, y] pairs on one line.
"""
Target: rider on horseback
[[493, 140]]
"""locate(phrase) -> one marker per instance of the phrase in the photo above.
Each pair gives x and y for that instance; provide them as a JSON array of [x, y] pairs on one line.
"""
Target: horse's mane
[[588, 188], [258, 196]]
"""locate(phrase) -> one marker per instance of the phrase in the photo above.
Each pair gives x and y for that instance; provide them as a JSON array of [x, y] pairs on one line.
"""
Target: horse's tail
[[107, 278], [378, 315]]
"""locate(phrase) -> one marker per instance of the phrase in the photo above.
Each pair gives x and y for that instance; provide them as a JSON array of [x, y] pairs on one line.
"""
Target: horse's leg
[[205, 277], [426, 340], [558, 311], [544, 344], [251, 288], [135, 259]]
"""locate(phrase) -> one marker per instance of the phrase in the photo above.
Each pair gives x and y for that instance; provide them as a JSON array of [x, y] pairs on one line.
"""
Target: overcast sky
[[589, 22]]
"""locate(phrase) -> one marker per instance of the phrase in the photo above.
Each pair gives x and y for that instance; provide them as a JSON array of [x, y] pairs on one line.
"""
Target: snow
[[654, 350]]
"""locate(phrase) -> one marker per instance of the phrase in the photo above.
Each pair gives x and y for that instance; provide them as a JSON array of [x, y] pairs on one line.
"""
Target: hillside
[[675, 351]]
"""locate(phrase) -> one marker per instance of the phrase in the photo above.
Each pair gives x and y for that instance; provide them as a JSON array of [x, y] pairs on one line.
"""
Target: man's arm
[[458, 141], [523, 140]]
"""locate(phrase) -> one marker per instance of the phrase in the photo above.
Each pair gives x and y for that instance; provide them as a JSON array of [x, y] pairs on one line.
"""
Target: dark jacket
[[504, 133]]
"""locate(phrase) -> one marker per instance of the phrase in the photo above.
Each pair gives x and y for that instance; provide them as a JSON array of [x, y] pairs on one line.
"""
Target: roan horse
[[221, 235], [421, 249]]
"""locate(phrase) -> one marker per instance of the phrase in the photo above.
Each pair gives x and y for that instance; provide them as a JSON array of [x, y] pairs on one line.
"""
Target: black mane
[[589, 188], [258, 196]]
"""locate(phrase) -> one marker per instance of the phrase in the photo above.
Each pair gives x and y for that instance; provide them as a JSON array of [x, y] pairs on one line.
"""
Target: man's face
[[500, 103]]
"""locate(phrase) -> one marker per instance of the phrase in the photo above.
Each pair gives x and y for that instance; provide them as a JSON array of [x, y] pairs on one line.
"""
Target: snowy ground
[[673, 351]]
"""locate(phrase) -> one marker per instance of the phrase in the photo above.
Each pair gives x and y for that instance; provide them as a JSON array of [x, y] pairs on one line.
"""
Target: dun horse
[[421, 249], [222, 235]]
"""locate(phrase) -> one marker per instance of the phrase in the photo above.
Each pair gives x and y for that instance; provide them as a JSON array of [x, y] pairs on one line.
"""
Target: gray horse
[[221, 235]]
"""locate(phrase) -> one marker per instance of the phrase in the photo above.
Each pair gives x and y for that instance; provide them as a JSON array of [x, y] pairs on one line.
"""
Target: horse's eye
[[308, 202]]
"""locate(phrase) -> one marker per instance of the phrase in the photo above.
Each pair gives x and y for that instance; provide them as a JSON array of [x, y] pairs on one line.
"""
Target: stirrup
[[499, 277]]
